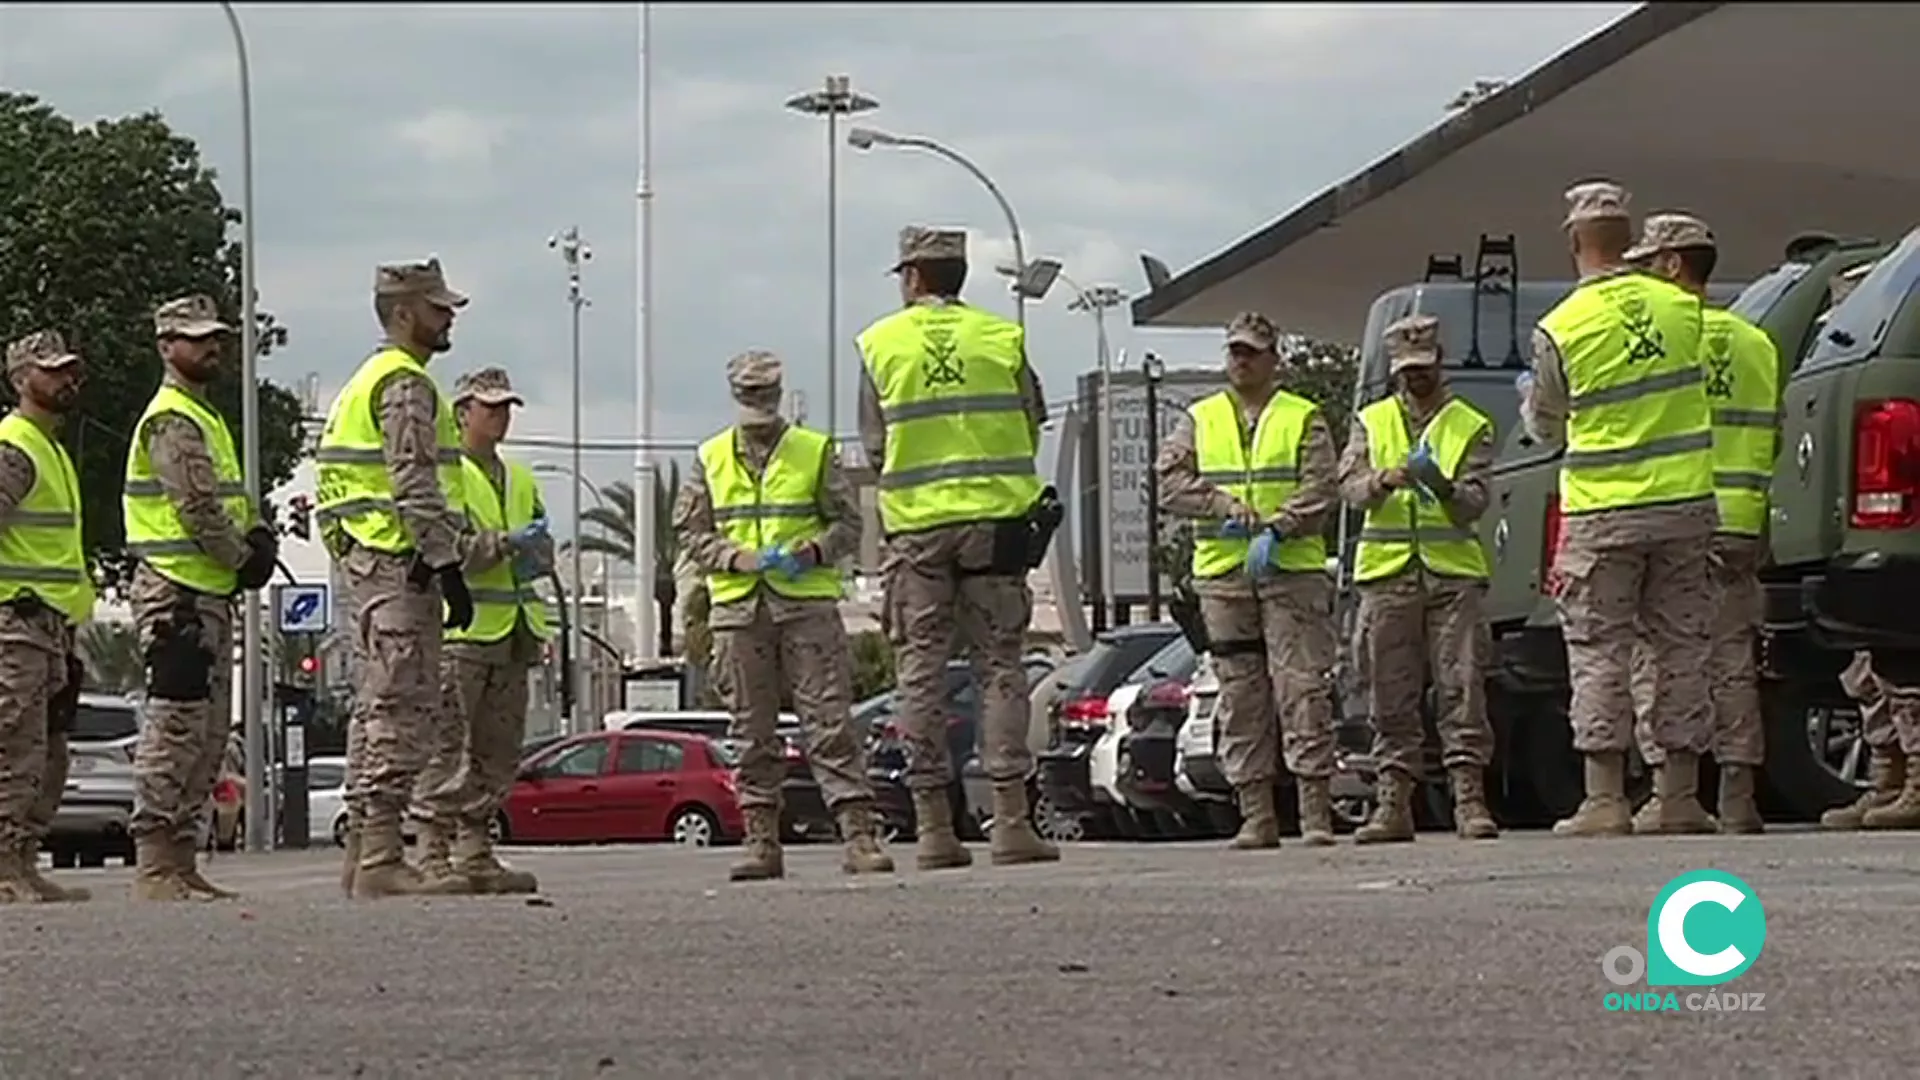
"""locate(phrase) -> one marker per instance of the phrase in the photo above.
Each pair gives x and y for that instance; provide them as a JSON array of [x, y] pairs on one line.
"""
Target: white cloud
[[454, 137]]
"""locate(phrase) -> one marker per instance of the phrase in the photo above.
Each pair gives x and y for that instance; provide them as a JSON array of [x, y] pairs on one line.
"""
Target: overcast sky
[[477, 131]]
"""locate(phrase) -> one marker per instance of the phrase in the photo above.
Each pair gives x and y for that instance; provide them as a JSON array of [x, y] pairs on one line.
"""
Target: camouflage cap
[[755, 369], [489, 386], [1595, 200], [921, 242], [1413, 342], [194, 316], [1252, 329], [42, 349], [417, 279], [1669, 231]]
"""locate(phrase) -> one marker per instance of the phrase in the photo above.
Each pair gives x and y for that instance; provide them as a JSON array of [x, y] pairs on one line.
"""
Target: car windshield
[[726, 752], [1176, 661], [1757, 299], [104, 723], [325, 776]]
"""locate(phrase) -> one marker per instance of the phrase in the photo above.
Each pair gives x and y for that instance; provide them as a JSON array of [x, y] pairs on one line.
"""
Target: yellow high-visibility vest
[[1403, 525], [778, 507], [500, 598], [1262, 477], [353, 488], [1639, 431], [960, 445], [155, 533], [41, 548], [1743, 386]]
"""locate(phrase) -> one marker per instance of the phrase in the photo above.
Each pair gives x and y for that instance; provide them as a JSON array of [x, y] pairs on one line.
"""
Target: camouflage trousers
[[182, 742], [1733, 686], [474, 745], [1273, 653], [1615, 597], [807, 657], [33, 759], [936, 602], [1419, 626], [1889, 714], [396, 653]]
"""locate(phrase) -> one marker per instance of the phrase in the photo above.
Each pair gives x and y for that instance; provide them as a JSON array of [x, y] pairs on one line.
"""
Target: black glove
[[64, 706], [258, 569], [453, 589]]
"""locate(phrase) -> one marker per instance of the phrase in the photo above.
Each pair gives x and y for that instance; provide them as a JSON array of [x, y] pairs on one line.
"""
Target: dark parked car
[[1063, 784], [1149, 802]]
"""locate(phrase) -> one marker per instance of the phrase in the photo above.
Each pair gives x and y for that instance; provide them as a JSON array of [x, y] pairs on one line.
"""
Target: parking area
[[1434, 959]]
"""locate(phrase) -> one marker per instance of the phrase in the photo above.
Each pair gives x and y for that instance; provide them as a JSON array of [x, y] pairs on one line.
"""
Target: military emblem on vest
[[942, 366], [1719, 365], [1644, 341]]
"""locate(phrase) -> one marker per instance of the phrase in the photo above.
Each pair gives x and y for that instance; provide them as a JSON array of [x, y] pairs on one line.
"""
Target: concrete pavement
[[1437, 959]]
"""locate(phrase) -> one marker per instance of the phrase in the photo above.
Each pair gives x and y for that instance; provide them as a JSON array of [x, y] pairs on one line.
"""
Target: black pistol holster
[[1020, 544], [179, 666]]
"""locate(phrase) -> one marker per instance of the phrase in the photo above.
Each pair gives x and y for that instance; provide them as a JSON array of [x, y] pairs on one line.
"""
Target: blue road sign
[[303, 609]]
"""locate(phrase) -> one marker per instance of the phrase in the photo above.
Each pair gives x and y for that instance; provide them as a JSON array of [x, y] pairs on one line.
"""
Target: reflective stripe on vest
[[500, 599], [1743, 385], [780, 506], [1263, 479], [1639, 432], [353, 489], [960, 445], [155, 533], [1402, 524], [41, 550]]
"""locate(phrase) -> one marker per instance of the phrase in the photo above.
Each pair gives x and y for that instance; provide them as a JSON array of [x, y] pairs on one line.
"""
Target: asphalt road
[[1181, 961]]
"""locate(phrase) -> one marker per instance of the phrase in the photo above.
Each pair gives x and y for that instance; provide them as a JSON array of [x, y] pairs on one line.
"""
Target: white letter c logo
[[1673, 923]]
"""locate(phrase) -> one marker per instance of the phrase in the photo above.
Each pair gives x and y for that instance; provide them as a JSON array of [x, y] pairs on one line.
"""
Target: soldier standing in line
[[1418, 461], [1887, 761], [769, 515], [483, 667], [198, 542], [1617, 377], [1742, 370], [1255, 464], [950, 415], [46, 592], [388, 505]]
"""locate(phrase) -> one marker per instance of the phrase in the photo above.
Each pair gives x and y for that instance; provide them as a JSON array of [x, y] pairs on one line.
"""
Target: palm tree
[[615, 539], [112, 654]]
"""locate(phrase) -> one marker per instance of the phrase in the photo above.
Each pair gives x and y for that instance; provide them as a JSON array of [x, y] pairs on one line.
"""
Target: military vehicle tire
[[1799, 781]]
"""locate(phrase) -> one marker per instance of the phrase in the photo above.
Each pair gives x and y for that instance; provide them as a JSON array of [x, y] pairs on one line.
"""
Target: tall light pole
[[867, 138], [646, 634], [833, 100], [252, 676], [574, 251]]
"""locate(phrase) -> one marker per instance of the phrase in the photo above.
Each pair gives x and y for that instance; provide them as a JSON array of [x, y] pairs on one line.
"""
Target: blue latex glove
[[1233, 529], [1424, 471], [1523, 382], [1261, 552], [523, 568], [528, 534], [780, 561]]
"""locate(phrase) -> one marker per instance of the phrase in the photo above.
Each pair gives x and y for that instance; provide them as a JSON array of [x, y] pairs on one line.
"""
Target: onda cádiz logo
[[1706, 928]]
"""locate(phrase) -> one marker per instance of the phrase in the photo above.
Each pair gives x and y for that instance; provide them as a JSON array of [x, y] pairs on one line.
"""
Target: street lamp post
[[867, 138], [252, 675], [1154, 371], [574, 251], [833, 100]]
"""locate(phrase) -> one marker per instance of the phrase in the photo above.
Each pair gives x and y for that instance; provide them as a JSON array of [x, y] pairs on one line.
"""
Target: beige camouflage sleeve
[[185, 470], [693, 524], [1305, 511], [1472, 484], [16, 479], [1034, 398], [1544, 408], [873, 422], [411, 447], [1183, 491], [840, 506], [1359, 480]]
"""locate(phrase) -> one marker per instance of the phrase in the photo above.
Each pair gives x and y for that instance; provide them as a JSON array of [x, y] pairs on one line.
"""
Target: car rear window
[[1111, 660], [104, 723], [1175, 661]]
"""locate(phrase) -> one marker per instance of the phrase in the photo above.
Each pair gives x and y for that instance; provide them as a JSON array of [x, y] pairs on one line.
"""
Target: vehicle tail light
[[1084, 712], [890, 730], [729, 781], [791, 751], [1552, 530], [226, 791], [1166, 695], [1886, 464]]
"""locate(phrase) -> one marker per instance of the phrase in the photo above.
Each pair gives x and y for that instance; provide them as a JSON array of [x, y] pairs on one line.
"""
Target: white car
[[326, 801], [1197, 762]]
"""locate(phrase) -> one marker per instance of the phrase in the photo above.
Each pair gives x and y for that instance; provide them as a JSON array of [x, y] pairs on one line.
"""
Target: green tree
[[111, 651], [1324, 373], [98, 224], [615, 539], [873, 670]]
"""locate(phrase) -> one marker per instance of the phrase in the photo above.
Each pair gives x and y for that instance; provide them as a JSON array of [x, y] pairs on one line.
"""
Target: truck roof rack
[[1449, 266], [1496, 268]]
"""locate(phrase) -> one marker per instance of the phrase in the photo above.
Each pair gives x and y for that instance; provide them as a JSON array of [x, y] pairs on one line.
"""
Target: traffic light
[[300, 661], [300, 517], [309, 665]]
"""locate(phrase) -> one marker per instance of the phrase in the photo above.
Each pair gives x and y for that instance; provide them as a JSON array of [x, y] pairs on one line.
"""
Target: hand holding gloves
[[785, 561], [1429, 481], [528, 535], [453, 589], [1260, 553]]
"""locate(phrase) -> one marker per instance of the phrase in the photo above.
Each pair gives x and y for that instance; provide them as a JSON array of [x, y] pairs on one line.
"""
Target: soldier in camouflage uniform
[[483, 671], [950, 414], [198, 542], [1616, 376], [388, 507], [1887, 761], [41, 602], [1255, 466], [770, 516], [1422, 574]]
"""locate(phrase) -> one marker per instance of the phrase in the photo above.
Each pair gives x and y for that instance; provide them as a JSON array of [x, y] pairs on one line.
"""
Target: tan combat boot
[[1676, 787], [1738, 812], [155, 876], [15, 886], [1903, 812], [1259, 820], [51, 892], [763, 860], [435, 842], [1471, 818], [471, 857], [1014, 843], [186, 861], [1887, 769], [1316, 810], [937, 847], [1392, 817], [863, 855], [384, 871], [1604, 811]]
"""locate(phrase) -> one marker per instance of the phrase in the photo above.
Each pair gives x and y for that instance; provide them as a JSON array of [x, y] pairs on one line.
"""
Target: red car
[[642, 784]]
